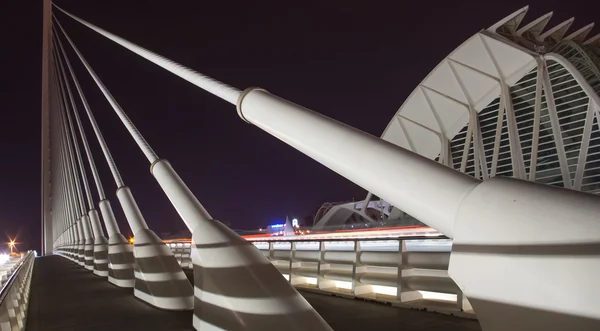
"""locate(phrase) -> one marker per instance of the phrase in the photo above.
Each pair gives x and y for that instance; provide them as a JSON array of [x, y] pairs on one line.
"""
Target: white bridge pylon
[[525, 254]]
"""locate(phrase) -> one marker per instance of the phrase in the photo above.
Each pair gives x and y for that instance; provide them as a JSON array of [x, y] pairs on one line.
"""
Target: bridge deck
[[66, 297]]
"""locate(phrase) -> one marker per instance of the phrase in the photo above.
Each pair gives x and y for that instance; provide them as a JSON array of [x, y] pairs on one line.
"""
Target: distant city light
[[277, 226], [12, 244], [295, 222]]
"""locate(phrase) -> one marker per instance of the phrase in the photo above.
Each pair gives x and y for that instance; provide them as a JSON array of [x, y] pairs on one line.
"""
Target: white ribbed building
[[513, 100]]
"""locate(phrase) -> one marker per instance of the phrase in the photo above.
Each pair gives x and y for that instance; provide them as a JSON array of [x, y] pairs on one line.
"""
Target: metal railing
[[14, 294], [409, 270]]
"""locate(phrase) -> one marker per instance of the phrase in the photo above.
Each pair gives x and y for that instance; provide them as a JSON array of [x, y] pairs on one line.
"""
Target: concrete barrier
[[14, 294], [409, 272]]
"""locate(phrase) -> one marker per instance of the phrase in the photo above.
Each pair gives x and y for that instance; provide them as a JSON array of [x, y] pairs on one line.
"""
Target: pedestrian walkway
[[66, 297]]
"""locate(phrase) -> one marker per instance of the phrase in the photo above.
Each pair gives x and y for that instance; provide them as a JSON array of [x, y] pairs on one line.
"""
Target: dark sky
[[355, 61]]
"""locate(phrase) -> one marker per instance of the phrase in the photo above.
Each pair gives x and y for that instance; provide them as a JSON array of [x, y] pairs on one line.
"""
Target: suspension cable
[[137, 136]]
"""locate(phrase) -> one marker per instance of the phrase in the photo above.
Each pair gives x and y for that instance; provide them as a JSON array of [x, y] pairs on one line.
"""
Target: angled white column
[[77, 169], [79, 244], [120, 252], [75, 212], [100, 248], [159, 279], [226, 265], [516, 243]]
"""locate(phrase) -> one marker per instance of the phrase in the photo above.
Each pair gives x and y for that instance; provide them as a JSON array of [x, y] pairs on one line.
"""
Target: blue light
[[276, 226]]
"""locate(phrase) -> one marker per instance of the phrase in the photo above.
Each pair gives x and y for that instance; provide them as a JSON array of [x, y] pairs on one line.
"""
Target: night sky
[[355, 61]]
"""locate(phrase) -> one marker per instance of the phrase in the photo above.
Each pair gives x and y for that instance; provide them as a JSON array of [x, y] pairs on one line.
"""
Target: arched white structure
[[511, 101]]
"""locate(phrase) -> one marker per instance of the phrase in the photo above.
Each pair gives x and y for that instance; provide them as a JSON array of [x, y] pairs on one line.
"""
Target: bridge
[[507, 236]]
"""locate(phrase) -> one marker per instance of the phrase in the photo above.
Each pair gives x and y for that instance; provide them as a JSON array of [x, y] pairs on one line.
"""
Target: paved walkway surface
[[355, 315], [66, 297]]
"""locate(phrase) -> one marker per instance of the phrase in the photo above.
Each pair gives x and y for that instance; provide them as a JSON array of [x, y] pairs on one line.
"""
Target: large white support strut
[[158, 279], [525, 254], [235, 287]]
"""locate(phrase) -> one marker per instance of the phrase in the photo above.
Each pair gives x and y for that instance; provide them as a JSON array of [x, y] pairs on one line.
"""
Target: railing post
[[292, 264], [322, 267], [404, 293], [462, 302], [186, 255], [358, 269]]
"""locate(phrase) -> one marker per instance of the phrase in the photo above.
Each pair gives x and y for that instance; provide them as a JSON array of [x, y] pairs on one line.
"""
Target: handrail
[[6, 287]]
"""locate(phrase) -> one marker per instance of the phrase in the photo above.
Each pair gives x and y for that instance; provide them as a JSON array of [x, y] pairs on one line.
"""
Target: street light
[[12, 244]]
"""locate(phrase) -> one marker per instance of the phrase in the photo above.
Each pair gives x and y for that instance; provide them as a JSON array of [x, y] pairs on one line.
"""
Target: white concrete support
[[132, 211], [252, 264], [112, 227], [444, 189], [524, 238], [159, 279], [395, 179], [74, 239], [120, 252], [88, 248], [503, 218], [100, 245], [72, 185], [80, 243], [221, 259]]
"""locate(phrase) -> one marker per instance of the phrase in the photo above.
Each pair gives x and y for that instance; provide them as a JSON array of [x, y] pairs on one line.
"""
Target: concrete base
[[88, 251], [70, 253], [81, 254], [101, 257], [121, 261], [159, 279], [236, 288]]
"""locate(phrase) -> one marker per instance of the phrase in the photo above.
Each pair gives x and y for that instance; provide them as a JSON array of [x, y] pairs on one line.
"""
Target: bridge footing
[[159, 279]]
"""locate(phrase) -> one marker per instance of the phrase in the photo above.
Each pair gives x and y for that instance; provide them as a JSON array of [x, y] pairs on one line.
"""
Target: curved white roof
[[470, 78], [467, 80]]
